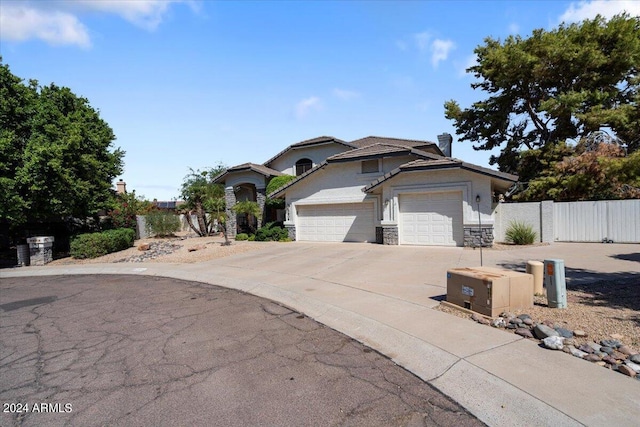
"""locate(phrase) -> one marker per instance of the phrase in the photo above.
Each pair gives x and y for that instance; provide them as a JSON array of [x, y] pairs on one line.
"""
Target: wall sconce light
[[478, 198], [386, 202]]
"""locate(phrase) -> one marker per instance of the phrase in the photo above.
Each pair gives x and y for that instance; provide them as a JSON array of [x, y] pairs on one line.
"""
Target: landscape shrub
[[272, 232], [520, 233], [92, 245], [161, 223], [242, 236]]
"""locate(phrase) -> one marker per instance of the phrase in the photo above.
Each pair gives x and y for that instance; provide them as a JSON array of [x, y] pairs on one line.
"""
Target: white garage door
[[346, 222], [431, 219]]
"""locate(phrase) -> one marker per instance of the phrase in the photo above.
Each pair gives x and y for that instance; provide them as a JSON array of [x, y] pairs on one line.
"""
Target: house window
[[302, 166], [370, 166]]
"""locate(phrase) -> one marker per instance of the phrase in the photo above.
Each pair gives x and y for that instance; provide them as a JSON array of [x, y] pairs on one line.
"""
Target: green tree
[[553, 86], [596, 172], [204, 199], [126, 207], [56, 157]]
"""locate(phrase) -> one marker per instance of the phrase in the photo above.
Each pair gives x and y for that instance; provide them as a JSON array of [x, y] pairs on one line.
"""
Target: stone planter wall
[[475, 237]]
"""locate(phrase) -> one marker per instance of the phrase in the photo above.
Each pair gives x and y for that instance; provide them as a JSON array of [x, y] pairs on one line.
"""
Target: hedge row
[[92, 245]]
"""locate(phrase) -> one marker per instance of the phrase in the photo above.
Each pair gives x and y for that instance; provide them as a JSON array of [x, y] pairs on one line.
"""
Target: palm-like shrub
[[520, 233]]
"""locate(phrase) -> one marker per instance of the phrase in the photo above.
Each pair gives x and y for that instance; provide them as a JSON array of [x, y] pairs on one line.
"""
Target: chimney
[[121, 187], [444, 142]]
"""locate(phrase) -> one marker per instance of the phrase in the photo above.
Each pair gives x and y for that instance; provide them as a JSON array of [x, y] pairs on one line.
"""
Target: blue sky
[[188, 84]]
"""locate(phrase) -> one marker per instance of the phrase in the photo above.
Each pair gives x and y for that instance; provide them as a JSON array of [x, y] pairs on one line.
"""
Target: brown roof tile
[[370, 140], [309, 142], [380, 150], [261, 169]]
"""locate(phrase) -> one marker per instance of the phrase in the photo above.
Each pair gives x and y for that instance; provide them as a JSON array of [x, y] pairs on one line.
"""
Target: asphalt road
[[145, 351]]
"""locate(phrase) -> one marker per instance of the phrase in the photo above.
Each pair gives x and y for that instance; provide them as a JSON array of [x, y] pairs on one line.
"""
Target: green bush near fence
[[520, 233], [93, 245], [161, 223]]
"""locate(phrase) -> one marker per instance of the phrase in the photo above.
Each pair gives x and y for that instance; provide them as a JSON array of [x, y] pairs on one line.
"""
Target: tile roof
[[440, 164], [261, 169], [308, 142], [370, 140], [379, 150]]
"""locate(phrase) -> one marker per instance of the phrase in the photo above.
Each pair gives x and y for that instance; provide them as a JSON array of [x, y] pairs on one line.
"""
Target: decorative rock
[[564, 332], [610, 343], [569, 341], [592, 358], [548, 323], [527, 321], [635, 358], [626, 350], [579, 333], [524, 317], [144, 247], [542, 331], [515, 321], [196, 248], [512, 326], [627, 370], [617, 355], [566, 349], [524, 332], [596, 347], [601, 363], [610, 360], [506, 314], [601, 354], [577, 353], [607, 350], [498, 323], [587, 349], [553, 342], [633, 366]]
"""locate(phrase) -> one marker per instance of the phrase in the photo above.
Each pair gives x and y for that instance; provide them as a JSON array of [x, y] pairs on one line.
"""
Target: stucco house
[[385, 190]]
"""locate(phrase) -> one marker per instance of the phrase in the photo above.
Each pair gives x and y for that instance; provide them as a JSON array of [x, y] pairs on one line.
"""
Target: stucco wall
[[317, 154], [247, 177], [538, 215]]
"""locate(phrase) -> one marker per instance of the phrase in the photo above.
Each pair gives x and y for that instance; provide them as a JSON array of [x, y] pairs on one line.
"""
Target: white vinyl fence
[[616, 220], [611, 220]]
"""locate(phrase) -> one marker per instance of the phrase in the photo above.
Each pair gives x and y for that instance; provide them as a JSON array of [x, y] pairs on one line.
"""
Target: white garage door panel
[[431, 219], [347, 222]]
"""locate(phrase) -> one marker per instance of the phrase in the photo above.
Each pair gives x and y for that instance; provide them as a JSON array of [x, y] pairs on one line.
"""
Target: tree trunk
[[202, 221], [187, 216]]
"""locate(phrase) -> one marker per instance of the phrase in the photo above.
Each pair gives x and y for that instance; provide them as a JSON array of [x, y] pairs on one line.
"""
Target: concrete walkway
[[383, 296]]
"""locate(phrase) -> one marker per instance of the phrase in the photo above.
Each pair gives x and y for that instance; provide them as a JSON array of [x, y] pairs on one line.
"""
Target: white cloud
[[345, 95], [147, 14], [579, 11], [440, 50], [422, 41], [58, 22], [306, 106], [20, 22]]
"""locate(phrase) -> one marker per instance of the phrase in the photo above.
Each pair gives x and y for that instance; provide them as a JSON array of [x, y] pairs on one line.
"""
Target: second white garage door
[[431, 219], [345, 222]]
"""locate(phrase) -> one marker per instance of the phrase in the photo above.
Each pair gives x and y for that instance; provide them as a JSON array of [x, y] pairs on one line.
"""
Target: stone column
[[230, 201], [40, 250], [475, 237], [390, 235], [261, 198]]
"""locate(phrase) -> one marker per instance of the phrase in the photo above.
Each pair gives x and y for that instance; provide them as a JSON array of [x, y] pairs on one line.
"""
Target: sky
[[191, 84]]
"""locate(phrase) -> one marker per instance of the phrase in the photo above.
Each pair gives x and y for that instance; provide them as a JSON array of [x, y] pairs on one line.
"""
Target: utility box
[[489, 290], [555, 283]]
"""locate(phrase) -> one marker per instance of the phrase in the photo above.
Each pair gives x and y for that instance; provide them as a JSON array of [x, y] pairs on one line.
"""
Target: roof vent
[[444, 142]]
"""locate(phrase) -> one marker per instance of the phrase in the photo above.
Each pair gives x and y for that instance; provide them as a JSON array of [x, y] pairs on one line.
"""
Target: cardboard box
[[489, 290]]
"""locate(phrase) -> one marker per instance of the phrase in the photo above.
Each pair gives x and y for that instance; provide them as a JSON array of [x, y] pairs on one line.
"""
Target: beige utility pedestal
[[536, 268]]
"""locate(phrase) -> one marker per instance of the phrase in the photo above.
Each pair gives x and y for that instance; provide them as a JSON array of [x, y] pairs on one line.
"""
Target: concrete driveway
[[151, 351]]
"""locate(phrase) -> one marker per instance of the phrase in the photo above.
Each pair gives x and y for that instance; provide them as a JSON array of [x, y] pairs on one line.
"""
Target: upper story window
[[370, 166], [302, 166]]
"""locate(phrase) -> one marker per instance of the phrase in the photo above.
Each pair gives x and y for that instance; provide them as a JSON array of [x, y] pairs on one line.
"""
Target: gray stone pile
[[155, 250], [609, 353]]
